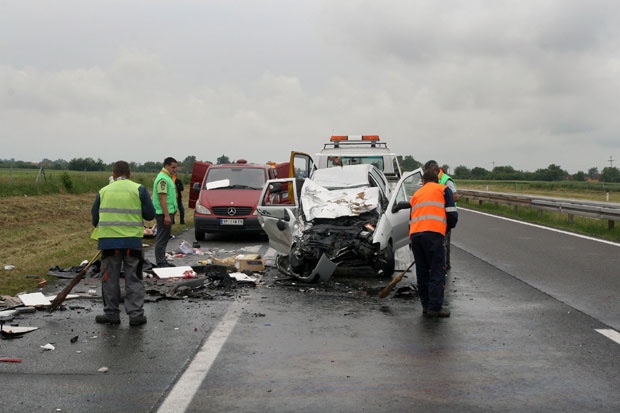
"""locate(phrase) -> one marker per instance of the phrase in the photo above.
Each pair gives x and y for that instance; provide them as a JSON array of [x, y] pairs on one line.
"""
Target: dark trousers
[[430, 254], [447, 244], [181, 210], [162, 238], [129, 262]]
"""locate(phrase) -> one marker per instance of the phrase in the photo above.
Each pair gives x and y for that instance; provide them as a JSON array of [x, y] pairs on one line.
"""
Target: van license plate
[[225, 221]]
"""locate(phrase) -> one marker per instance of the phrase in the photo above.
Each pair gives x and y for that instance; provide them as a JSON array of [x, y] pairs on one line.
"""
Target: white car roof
[[347, 176]]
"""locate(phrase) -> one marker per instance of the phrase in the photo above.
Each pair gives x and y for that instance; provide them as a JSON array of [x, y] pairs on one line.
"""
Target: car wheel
[[387, 262], [199, 235]]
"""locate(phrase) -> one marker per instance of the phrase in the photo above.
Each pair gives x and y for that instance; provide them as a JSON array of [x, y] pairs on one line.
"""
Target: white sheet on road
[[172, 272], [34, 299]]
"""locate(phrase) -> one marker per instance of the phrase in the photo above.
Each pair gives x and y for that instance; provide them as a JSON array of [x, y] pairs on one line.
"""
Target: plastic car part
[[324, 269]]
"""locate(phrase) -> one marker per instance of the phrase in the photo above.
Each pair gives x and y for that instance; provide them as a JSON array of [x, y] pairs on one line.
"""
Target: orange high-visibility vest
[[428, 209]]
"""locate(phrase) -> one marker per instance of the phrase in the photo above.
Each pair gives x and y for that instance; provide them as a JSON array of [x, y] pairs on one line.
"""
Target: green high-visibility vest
[[445, 178], [120, 211], [171, 195]]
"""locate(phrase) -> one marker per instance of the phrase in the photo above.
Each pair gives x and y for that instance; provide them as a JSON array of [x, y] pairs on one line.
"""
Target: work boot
[[137, 321], [443, 313], [104, 319]]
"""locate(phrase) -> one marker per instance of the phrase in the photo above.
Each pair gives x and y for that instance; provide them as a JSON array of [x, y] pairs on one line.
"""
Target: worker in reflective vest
[[165, 201], [446, 180], [432, 213], [118, 215]]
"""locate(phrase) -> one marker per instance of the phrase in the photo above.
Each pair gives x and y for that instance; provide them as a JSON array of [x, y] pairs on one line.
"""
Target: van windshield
[[355, 160], [250, 178]]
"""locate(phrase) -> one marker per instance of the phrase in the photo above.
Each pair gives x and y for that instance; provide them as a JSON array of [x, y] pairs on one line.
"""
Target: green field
[[16, 182]]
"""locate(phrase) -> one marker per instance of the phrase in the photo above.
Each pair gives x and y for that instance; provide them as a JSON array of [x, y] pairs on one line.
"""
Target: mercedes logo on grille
[[232, 211]]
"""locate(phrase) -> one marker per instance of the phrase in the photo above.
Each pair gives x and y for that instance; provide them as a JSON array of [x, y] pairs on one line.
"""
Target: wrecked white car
[[339, 216]]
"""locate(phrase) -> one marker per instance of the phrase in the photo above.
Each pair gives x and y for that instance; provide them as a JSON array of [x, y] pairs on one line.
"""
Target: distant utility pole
[[611, 162]]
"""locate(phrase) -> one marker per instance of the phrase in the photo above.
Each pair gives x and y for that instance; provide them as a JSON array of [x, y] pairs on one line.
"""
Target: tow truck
[[359, 149]]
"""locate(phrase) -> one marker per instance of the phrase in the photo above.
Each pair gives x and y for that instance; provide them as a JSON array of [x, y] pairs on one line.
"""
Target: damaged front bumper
[[323, 246]]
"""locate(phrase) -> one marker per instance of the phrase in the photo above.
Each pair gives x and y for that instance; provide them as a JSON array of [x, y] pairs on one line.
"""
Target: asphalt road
[[527, 306]]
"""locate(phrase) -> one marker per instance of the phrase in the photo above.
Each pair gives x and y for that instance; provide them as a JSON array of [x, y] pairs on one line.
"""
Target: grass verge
[[40, 232]]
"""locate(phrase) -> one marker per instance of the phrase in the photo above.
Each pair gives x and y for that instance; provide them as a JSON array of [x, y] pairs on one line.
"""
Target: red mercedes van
[[225, 196]]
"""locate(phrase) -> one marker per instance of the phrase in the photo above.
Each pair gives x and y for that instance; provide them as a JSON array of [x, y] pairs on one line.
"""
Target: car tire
[[387, 262], [199, 235]]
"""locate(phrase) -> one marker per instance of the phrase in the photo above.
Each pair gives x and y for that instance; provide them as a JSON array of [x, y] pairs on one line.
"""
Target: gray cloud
[[473, 83]]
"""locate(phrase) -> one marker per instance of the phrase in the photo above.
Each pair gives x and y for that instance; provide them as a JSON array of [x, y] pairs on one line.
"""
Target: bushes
[[66, 182]]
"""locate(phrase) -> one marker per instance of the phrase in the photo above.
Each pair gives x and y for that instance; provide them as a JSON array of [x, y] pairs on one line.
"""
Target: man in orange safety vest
[[432, 213]]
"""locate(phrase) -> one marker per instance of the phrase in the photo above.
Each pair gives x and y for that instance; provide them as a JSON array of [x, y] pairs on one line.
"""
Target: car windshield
[[251, 178]]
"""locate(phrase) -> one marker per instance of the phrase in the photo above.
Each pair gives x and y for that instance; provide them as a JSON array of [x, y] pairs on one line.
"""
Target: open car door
[[398, 220], [199, 171], [278, 211], [301, 165], [278, 207]]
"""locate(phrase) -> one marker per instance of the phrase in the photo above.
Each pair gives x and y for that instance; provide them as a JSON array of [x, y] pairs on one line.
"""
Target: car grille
[[240, 211]]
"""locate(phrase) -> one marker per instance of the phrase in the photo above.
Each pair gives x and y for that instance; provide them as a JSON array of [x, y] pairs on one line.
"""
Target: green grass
[[30, 182]]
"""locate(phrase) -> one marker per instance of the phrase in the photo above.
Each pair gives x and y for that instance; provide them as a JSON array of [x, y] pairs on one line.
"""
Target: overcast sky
[[479, 83]]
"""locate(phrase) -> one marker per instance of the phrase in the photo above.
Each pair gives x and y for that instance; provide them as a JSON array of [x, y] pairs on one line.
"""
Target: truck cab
[[359, 149]]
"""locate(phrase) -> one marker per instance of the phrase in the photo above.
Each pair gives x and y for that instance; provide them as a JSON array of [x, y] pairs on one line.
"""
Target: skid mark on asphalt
[[610, 334], [188, 384]]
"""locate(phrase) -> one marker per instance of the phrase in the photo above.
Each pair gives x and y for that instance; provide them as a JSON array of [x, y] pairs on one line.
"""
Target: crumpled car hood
[[319, 202]]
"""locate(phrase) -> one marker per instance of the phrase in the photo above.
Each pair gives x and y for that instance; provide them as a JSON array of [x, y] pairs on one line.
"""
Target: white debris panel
[[319, 202]]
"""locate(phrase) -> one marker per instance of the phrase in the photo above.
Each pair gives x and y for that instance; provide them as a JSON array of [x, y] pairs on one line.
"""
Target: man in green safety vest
[[165, 201], [118, 215]]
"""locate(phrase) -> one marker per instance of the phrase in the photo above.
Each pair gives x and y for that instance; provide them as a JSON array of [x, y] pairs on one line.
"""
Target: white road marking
[[609, 333], [188, 384], [543, 227]]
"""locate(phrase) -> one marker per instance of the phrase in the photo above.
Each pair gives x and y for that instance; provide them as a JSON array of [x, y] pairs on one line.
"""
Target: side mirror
[[400, 205], [275, 188], [281, 225], [196, 187]]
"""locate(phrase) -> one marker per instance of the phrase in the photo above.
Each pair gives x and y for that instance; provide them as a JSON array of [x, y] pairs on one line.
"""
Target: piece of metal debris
[[10, 360], [15, 331]]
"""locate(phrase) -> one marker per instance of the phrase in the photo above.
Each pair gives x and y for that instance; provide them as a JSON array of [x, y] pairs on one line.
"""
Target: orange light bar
[[338, 138], [370, 137]]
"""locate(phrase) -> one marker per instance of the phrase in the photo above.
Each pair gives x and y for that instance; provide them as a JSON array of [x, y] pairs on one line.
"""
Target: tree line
[[92, 165], [408, 163], [508, 173]]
